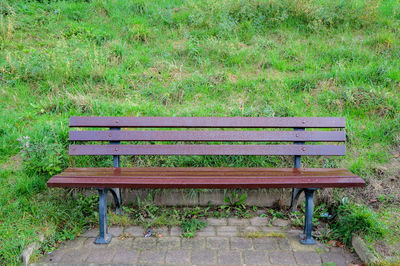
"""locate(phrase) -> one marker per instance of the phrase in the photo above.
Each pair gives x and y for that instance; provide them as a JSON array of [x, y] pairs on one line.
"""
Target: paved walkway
[[223, 242]]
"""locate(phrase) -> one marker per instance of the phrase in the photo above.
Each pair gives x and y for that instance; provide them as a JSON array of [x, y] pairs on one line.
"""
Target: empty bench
[[249, 135]]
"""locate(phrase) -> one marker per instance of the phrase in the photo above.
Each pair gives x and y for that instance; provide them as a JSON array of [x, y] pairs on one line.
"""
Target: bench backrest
[[301, 142]]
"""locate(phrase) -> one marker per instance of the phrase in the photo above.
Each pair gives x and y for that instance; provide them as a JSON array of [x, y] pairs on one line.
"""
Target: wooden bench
[[290, 129]]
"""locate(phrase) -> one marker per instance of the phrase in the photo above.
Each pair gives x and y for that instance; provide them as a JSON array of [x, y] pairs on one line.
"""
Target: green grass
[[186, 58]]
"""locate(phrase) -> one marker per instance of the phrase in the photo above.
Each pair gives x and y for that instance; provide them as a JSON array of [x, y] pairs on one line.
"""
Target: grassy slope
[[187, 58]]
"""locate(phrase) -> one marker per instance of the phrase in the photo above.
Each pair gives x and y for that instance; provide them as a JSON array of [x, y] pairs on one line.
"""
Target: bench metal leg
[[116, 192], [104, 237], [295, 198], [306, 238]]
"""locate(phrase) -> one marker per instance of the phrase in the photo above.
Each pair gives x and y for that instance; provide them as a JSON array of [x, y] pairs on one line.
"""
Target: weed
[[189, 227], [356, 219]]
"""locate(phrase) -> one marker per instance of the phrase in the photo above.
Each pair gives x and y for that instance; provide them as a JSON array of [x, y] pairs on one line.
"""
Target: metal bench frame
[[116, 123]]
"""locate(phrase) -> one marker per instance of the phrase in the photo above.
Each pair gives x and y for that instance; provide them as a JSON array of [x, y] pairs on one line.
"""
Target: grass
[[188, 58]]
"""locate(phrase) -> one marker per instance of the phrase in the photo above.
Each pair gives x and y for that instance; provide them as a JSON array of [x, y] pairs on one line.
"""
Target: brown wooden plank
[[276, 136], [229, 172], [209, 122], [214, 182], [207, 149]]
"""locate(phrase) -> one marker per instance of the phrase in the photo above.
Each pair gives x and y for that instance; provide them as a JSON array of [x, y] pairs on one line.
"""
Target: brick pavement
[[222, 242]]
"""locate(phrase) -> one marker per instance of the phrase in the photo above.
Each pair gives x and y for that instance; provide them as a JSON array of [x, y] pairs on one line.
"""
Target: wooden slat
[[317, 178], [204, 171], [207, 150], [325, 136], [209, 122]]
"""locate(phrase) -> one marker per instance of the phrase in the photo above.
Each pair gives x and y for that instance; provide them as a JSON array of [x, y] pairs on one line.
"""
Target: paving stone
[[255, 257], [115, 230], [307, 258], [227, 231], [73, 244], [283, 243], [241, 243], [249, 229], [175, 231], [100, 256], [204, 257], [238, 221], [280, 222], [193, 243], [171, 242], [164, 231], [89, 243], [297, 246], [268, 229], [217, 242], [334, 257], [258, 221], [214, 221], [177, 257], [151, 256], [125, 256], [229, 257], [93, 232], [120, 243], [281, 257], [75, 256], [144, 243], [135, 231], [55, 256], [268, 243], [206, 231]]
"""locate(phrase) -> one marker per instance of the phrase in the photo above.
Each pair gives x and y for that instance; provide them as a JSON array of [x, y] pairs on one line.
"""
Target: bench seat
[[205, 177]]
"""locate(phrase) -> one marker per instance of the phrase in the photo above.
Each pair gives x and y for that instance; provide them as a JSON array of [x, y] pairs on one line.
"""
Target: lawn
[[190, 58]]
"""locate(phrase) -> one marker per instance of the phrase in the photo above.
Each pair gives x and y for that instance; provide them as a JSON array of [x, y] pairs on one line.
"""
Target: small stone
[[255, 257], [259, 221], [227, 231], [149, 256], [280, 222], [241, 243], [177, 257], [214, 221], [238, 221], [204, 257], [135, 231], [206, 231], [309, 258], [281, 257], [217, 243], [229, 257]]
